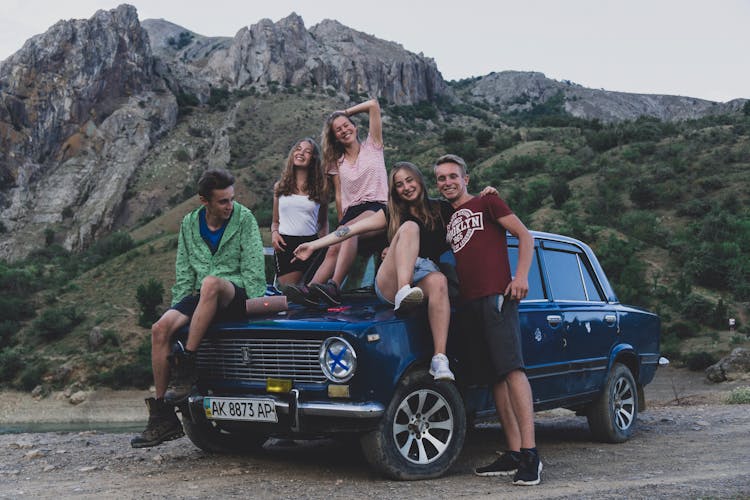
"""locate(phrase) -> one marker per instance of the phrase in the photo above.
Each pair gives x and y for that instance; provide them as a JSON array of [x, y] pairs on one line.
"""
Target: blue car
[[361, 370]]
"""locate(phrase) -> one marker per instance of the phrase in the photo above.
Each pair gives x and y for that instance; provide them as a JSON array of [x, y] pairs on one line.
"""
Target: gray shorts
[[422, 267], [490, 339]]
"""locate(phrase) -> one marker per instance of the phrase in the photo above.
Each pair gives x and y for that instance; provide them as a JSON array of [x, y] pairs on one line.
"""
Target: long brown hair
[[317, 184], [332, 148], [426, 210]]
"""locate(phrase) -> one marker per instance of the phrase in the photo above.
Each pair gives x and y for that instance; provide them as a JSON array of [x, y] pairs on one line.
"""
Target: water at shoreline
[[39, 427]]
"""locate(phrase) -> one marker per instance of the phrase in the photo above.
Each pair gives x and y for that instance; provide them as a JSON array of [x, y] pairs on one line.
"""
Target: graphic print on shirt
[[461, 227]]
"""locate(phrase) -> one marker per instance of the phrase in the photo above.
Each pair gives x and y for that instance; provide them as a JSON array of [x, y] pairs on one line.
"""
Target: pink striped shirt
[[365, 179]]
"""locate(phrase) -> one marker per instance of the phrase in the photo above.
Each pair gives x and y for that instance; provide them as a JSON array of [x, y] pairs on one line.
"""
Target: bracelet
[[275, 231]]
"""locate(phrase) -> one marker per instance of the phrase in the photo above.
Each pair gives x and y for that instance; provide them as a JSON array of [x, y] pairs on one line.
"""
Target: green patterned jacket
[[238, 259]]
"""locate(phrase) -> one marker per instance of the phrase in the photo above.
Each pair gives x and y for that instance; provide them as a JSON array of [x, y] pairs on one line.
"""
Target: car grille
[[258, 359]]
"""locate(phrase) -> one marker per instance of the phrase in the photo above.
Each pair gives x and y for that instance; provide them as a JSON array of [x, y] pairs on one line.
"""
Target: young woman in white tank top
[[300, 209]]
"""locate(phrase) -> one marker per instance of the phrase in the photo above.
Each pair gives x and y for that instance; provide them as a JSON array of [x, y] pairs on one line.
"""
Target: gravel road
[[697, 448]]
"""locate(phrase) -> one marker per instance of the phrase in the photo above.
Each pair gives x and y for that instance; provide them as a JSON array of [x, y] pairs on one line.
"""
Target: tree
[[150, 297]]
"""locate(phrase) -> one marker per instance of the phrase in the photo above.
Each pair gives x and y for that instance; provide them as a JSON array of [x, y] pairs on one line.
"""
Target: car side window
[[565, 280], [592, 291], [536, 288]]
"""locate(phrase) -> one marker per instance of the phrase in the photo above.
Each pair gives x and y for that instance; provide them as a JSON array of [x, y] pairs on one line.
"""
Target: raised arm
[[374, 222], [376, 124], [518, 288]]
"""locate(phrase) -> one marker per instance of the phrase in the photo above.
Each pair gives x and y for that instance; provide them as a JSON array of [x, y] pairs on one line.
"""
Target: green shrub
[[11, 362], [560, 191], [697, 308], [136, 373], [32, 375], [150, 296], [698, 361], [54, 323], [739, 395], [8, 329]]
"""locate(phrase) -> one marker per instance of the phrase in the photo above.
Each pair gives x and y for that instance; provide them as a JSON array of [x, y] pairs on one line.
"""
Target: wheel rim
[[423, 426], [623, 404]]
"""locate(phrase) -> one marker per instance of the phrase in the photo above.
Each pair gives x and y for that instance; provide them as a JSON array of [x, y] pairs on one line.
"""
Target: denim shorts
[[422, 267]]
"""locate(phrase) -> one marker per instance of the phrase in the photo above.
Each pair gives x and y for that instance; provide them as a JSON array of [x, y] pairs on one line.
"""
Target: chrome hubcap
[[423, 426], [624, 404]]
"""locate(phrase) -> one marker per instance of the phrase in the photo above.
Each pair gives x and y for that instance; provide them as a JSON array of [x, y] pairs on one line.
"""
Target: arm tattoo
[[342, 231]]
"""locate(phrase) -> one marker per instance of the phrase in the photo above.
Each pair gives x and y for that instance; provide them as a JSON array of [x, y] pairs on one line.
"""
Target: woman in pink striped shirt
[[357, 170]]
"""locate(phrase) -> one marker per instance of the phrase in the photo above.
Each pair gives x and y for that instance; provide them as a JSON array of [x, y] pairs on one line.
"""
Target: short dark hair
[[214, 178], [449, 158]]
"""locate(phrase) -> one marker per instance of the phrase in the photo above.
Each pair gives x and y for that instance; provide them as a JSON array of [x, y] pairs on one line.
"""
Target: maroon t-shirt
[[480, 247]]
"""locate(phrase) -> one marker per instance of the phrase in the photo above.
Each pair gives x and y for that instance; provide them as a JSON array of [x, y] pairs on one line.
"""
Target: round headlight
[[338, 359]]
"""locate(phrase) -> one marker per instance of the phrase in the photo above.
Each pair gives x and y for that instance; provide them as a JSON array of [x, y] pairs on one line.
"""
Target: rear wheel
[[612, 416], [422, 431]]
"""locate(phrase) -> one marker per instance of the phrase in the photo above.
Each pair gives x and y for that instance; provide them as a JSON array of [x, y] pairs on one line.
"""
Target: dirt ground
[[689, 444]]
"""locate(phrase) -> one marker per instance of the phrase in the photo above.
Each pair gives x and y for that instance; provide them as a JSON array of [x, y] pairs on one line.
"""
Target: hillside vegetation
[[666, 206]]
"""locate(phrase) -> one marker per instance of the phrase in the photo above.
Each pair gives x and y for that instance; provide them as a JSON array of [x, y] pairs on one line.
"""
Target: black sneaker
[[506, 465], [529, 469], [182, 376], [300, 294], [328, 292], [163, 425]]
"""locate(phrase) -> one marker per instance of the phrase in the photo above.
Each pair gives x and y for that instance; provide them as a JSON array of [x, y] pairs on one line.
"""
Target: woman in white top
[[300, 209]]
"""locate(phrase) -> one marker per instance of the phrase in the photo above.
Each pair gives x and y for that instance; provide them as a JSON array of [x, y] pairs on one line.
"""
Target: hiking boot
[[505, 465], [439, 368], [300, 294], [407, 298], [182, 375], [529, 468], [328, 292], [163, 425]]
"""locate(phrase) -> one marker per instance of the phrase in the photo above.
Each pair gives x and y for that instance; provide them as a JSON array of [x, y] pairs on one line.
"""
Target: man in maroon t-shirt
[[489, 312]]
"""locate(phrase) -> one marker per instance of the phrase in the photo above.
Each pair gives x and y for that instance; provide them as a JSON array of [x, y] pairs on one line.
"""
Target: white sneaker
[[439, 368], [407, 297]]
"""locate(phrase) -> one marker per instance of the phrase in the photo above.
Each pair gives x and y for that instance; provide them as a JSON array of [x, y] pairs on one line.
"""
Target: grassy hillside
[[666, 207]]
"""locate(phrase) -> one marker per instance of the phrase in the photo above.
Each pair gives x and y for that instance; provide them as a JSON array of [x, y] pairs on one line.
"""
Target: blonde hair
[[317, 183], [425, 209]]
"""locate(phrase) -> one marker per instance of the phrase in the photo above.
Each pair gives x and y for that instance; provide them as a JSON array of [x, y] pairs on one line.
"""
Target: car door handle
[[554, 319], [610, 318]]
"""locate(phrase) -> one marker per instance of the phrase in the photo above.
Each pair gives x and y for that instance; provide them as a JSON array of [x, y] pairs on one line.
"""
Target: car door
[[589, 324], [541, 325]]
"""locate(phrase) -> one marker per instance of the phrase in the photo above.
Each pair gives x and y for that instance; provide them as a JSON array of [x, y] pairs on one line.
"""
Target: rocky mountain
[[517, 91], [84, 106]]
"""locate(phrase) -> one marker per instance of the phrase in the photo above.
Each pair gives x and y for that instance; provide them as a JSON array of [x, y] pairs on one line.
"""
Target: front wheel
[[612, 416], [209, 437], [422, 431]]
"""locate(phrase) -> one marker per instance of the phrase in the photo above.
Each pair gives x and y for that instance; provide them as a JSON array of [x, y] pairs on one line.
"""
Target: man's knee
[[210, 287], [161, 332], [436, 282]]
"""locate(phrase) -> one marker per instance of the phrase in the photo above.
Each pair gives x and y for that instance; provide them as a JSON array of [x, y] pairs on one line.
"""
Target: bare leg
[[215, 292], [325, 271], [435, 288], [348, 251], [523, 406], [398, 270], [504, 409], [161, 335], [291, 278]]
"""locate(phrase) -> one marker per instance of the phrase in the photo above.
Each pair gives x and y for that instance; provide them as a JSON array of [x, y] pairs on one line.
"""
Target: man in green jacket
[[219, 265]]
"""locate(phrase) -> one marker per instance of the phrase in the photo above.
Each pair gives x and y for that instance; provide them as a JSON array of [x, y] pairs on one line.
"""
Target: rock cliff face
[[83, 104], [329, 55], [79, 107], [516, 91]]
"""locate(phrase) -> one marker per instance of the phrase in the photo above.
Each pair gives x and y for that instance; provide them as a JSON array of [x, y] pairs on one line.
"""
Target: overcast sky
[[696, 48]]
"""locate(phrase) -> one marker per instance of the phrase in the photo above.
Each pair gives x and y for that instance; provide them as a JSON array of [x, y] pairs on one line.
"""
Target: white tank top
[[298, 215]]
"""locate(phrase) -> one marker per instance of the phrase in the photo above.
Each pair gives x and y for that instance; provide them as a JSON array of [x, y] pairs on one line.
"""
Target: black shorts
[[235, 310], [355, 210], [373, 244], [283, 259], [491, 339]]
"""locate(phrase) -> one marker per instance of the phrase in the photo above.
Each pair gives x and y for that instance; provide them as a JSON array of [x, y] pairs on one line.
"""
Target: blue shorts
[[422, 267]]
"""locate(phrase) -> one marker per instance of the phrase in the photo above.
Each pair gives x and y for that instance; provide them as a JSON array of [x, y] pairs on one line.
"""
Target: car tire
[[422, 431], [612, 417], [210, 438]]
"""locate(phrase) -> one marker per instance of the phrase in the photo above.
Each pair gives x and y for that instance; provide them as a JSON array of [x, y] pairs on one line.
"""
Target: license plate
[[255, 410]]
